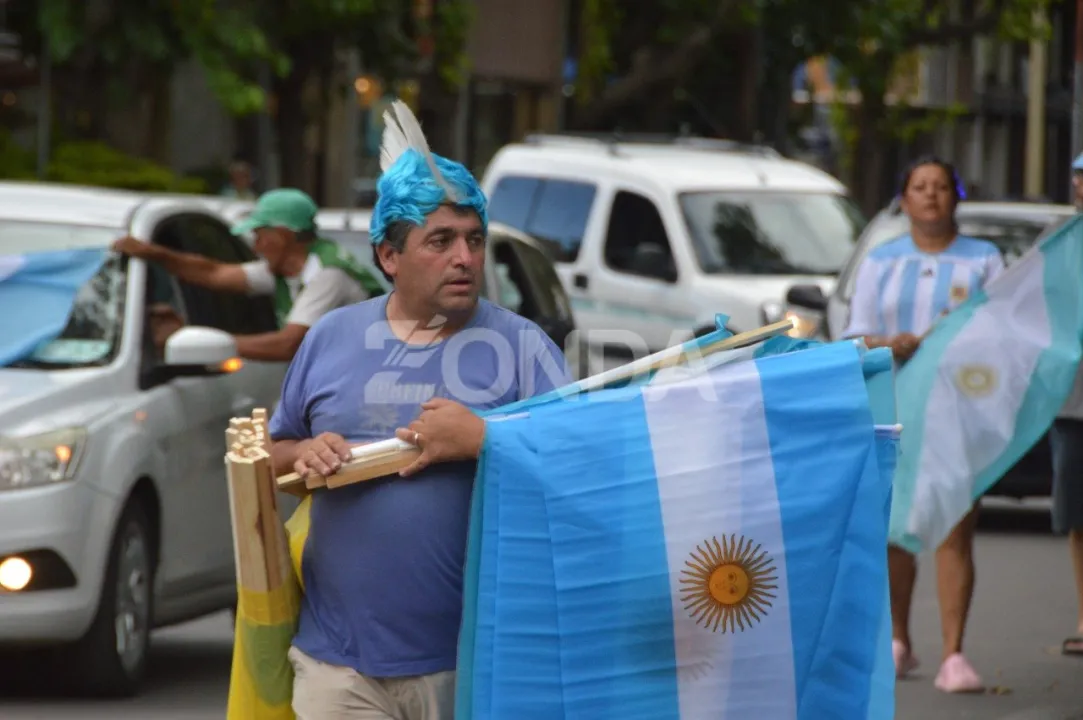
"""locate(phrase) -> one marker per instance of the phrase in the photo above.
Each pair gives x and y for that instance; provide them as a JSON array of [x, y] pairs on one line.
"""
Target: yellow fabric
[[297, 534], [261, 680]]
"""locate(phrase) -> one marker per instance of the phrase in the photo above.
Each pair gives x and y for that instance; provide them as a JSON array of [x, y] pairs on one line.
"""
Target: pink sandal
[[958, 676]]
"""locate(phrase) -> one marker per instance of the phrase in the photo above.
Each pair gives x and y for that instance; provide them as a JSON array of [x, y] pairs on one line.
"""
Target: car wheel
[[111, 659]]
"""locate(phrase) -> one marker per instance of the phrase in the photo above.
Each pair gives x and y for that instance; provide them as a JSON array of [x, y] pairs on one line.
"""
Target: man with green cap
[[307, 275]]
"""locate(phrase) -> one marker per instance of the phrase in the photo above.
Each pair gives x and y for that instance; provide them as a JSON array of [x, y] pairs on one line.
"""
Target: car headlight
[[806, 324], [43, 459]]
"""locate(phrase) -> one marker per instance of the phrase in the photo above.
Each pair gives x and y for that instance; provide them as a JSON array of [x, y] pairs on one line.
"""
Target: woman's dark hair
[[949, 170]]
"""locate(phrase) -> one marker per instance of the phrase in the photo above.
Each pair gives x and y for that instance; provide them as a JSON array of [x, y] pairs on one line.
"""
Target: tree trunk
[[291, 117], [159, 146], [290, 126], [83, 85], [437, 114], [656, 70], [867, 162], [746, 120]]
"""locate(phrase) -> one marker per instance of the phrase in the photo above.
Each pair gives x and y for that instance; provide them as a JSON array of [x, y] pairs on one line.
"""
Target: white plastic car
[[114, 510], [653, 239]]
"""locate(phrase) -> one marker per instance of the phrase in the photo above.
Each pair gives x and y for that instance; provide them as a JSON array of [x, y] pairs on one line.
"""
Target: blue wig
[[408, 191]]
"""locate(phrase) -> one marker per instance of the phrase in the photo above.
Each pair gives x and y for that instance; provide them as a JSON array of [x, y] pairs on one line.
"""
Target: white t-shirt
[[315, 292]]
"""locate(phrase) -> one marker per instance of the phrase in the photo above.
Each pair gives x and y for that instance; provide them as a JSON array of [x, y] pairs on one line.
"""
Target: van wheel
[[111, 659]]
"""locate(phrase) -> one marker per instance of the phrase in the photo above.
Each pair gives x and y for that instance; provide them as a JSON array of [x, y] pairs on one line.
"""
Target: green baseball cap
[[286, 208]]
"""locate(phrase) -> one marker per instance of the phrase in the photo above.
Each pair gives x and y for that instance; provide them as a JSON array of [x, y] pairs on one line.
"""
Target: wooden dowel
[[386, 457]]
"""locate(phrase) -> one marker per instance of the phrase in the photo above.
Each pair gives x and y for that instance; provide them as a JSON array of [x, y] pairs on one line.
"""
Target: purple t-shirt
[[383, 564]]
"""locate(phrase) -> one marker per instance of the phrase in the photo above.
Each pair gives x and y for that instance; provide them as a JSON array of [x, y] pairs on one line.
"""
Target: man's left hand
[[445, 431]]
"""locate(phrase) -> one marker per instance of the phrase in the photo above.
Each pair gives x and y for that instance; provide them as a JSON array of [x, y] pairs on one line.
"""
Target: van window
[[636, 242], [513, 200], [771, 233], [553, 211]]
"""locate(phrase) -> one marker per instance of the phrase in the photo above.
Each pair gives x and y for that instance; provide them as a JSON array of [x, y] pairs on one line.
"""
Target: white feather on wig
[[403, 132]]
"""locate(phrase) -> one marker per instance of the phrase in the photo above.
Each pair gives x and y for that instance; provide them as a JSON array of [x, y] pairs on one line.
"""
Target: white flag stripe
[[982, 381], [722, 426], [10, 264]]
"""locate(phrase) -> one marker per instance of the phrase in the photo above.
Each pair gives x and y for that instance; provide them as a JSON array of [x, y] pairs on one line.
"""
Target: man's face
[[442, 265], [271, 244]]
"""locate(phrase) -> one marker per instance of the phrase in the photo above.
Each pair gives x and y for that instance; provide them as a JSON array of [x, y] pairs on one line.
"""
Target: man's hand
[[445, 431], [128, 245], [904, 345], [323, 455]]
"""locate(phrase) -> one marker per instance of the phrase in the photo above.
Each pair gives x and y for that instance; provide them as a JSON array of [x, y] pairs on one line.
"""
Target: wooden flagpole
[[268, 593], [382, 458], [263, 557]]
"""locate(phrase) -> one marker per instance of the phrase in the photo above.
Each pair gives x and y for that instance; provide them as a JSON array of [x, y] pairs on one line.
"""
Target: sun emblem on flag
[[728, 585], [976, 380]]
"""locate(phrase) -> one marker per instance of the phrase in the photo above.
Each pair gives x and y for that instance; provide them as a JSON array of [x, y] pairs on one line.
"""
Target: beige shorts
[[330, 692]]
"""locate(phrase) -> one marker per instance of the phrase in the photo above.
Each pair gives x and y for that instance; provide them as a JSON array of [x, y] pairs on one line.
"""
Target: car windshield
[[1012, 234], [94, 327], [772, 233]]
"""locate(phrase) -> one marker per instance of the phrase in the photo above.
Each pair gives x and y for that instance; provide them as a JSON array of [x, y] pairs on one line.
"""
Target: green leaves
[[452, 32], [60, 26], [230, 40], [599, 21]]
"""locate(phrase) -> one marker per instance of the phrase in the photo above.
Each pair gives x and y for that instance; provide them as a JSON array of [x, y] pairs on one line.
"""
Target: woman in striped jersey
[[902, 288]]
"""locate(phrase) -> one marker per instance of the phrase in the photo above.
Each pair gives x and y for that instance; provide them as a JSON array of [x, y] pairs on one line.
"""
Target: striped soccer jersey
[[901, 289]]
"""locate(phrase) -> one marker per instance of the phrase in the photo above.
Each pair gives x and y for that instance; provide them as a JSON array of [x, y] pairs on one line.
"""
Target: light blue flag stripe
[[817, 437], [882, 682], [526, 654], [43, 287]]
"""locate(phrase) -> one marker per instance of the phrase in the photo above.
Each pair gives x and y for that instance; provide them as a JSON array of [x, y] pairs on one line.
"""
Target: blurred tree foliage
[[691, 48], [93, 163], [112, 52], [872, 39]]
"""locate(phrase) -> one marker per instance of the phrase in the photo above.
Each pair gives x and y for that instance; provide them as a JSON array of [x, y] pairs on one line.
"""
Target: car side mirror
[[196, 350], [810, 297], [652, 260]]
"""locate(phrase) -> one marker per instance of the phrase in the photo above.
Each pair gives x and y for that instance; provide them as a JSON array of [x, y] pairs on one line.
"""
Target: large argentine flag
[[985, 386], [711, 546], [37, 293]]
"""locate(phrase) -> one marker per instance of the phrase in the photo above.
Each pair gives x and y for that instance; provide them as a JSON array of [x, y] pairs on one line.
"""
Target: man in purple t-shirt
[[383, 564]]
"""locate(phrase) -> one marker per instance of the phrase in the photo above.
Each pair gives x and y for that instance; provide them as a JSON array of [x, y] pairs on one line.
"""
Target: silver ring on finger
[[417, 438]]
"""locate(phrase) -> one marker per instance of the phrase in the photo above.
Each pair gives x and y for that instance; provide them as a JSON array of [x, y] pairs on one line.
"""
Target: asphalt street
[[1023, 608]]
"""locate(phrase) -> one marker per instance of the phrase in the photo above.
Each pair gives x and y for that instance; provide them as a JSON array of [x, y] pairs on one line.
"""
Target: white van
[[652, 239]]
